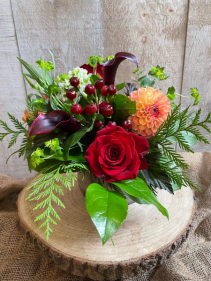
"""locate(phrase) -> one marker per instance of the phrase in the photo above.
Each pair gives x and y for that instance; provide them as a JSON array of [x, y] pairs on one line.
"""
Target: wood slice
[[145, 239]]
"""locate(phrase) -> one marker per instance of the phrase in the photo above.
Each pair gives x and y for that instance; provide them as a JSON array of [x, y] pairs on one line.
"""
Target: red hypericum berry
[[91, 108], [74, 81], [112, 90], [104, 91], [99, 84], [126, 124], [98, 123], [90, 89], [71, 94], [76, 108], [84, 111], [110, 123], [107, 110]]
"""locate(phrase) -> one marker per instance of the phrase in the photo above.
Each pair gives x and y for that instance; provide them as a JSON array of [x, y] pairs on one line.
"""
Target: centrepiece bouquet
[[81, 122]]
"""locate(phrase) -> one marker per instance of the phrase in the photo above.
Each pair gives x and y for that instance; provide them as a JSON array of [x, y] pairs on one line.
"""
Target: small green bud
[[58, 79]]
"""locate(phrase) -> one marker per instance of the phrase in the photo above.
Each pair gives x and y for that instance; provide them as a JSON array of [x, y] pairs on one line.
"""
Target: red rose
[[116, 154], [89, 68]]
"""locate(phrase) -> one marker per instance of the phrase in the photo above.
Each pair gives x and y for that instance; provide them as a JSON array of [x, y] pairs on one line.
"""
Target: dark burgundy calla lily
[[56, 119], [89, 68], [110, 67]]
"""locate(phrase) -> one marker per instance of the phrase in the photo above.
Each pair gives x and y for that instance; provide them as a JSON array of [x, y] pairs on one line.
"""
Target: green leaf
[[34, 74], [74, 138], [137, 200], [109, 58], [29, 82], [107, 210], [54, 65], [123, 107], [38, 103], [54, 104], [93, 79], [195, 94], [47, 66], [120, 86], [100, 117], [171, 93], [156, 177], [145, 81], [136, 70], [189, 137], [93, 61], [138, 188], [158, 73], [52, 89], [53, 144]]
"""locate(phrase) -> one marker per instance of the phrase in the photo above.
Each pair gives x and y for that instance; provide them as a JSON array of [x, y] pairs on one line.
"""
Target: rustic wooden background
[[175, 34]]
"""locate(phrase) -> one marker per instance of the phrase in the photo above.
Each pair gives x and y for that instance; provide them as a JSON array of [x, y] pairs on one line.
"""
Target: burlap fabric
[[22, 260]]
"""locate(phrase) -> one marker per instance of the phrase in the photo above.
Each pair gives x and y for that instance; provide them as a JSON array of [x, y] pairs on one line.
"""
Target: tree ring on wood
[[145, 239]]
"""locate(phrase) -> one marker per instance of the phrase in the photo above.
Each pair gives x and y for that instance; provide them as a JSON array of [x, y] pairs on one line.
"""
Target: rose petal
[[129, 173], [143, 164], [108, 130], [126, 138], [92, 154], [141, 144]]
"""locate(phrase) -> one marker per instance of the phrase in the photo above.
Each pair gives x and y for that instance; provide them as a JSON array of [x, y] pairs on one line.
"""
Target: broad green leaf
[[52, 89], [100, 117], [137, 200], [93, 61], [138, 188], [145, 81], [120, 86], [93, 79], [189, 137], [171, 93], [123, 107], [107, 210]]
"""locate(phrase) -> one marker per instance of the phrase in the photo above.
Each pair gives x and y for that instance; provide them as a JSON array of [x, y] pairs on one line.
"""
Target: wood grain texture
[[154, 31], [197, 68], [12, 90], [71, 30], [145, 239]]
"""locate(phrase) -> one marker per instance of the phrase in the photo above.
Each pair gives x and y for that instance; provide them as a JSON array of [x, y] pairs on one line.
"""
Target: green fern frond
[[46, 189]]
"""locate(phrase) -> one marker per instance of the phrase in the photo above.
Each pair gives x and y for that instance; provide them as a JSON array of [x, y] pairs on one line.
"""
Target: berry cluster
[[107, 91]]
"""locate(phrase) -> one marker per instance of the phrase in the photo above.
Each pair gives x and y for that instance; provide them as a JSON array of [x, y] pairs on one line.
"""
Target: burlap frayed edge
[[113, 270]]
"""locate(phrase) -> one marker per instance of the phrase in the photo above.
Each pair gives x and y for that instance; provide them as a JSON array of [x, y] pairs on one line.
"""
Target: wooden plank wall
[[197, 61], [158, 32]]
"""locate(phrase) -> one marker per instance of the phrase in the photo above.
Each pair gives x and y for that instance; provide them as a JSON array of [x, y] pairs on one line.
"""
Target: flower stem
[[95, 70], [182, 96]]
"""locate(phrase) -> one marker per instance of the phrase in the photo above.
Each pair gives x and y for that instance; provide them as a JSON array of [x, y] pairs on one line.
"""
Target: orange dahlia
[[152, 109]]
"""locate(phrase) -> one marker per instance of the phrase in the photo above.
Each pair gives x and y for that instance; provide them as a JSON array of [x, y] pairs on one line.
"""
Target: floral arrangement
[[78, 122]]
